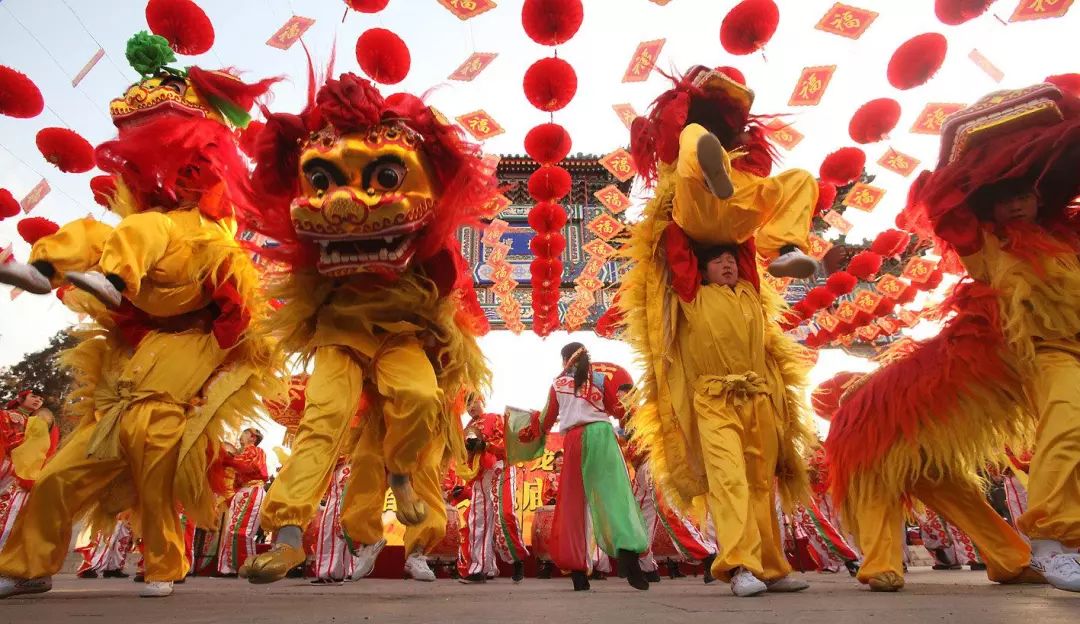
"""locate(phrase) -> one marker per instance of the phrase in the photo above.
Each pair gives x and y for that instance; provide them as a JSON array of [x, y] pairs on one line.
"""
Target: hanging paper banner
[[660, 2], [868, 333], [866, 300], [490, 163], [847, 312], [605, 227], [779, 284], [290, 32], [864, 197], [612, 198], [480, 125], [918, 269], [888, 325], [846, 21], [34, 197], [626, 114], [15, 292], [5, 254], [818, 247], [827, 321], [984, 64], [811, 85], [599, 248], [933, 116], [472, 66], [890, 286], [1039, 9], [89, 65], [504, 287], [908, 318], [467, 9], [589, 283], [898, 162], [783, 134], [838, 221], [619, 164], [495, 206], [643, 61], [494, 231]]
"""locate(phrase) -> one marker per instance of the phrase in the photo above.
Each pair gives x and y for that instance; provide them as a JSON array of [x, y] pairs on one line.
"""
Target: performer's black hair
[[582, 365]]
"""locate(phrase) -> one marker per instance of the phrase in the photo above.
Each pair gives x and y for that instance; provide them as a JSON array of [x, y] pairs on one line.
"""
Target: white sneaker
[[26, 277], [416, 567], [96, 284], [156, 589], [787, 584], [1061, 570], [16, 587], [794, 264], [365, 559], [744, 584]]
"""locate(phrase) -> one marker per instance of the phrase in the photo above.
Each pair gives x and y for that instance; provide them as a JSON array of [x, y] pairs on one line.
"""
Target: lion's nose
[[342, 208]]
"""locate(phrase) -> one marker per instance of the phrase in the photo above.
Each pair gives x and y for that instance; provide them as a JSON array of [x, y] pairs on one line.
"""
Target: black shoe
[[89, 574], [519, 571], [180, 581], [597, 575], [628, 561], [544, 570], [114, 574], [581, 582], [652, 577], [706, 566], [673, 570], [977, 566], [473, 578], [852, 567], [139, 578], [297, 572]]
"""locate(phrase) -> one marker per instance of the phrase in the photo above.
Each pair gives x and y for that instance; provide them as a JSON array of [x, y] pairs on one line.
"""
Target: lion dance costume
[[174, 362], [1004, 368], [721, 414], [364, 195]]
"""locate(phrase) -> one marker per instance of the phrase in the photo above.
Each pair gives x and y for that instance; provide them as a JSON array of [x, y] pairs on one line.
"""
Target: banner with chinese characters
[[864, 196], [472, 66], [898, 162], [34, 197], [480, 125], [783, 134], [838, 221], [846, 21], [1039, 9], [612, 198], [811, 85], [290, 32], [619, 164], [643, 61], [933, 116], [467, 9], [626, 114]]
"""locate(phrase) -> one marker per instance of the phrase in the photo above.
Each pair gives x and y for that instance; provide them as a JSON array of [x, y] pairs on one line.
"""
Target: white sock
[[1046, 548]]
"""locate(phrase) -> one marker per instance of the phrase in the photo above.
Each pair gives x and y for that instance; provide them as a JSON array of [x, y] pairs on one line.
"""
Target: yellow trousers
[[1054, 478], [775, 211], [74, 247], [150, 435], [878, 520], [410, 398], [739, 445], [362, 503]]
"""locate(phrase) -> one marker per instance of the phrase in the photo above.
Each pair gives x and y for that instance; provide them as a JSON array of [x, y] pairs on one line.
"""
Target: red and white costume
[[829, 550], [107, 552], [693, 546], [14, 489], [242, 521], [333, 560], [941, 537]]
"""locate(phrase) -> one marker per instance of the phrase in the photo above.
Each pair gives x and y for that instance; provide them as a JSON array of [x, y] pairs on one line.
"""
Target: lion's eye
[[389, 176], [321, 175]]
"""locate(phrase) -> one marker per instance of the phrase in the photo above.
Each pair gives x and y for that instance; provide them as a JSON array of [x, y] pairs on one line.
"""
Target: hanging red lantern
[[749, 26], [890, 243], [547, 143], [1068, 83], [826, 197], [9, 206], [841, 283], [103, 187], [183, 23], [66, 149], [549, 184], [874, 120], [864, 265], [551, 22], [917, 60], [549, 244], [383, 56], [955, 12], [33, 228], [19, 96], [550, 84], [843, 166], [820, 298], [547, 217], [367, 6]]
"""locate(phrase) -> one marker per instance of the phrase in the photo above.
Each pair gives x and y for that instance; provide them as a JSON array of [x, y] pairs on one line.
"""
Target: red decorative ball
[[864, 265], [367, 6], [551, 22], [9, 206], [550, 84], [549, 184], [547, 217], [66, 149], [103, 187], [820, 297], [841, 283], [917, 60], [954, 12], [874, 120], [749, 26], [890, 243], [843, 166], [183, 23], [826, 197], [546, 273], [1068, 83], [383, 56], [33, 228], [549, 244], [19, 96], [547, 143]]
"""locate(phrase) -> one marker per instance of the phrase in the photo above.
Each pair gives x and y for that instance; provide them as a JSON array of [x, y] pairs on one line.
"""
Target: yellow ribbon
[[738, 389], [105, 441]]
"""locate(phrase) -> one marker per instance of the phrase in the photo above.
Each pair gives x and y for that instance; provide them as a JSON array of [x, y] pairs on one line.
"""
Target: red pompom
[[66, 149], [820, 297], [545, 273], [548, 244], [934, 280], [917, 60], [884, 307], [843, 166], [19, 96], [749, 26], [383, 56], [732, 73], [873, 121], [550, 84], [547, 143], [864, 265], [841, 283], [547, 217], [954, 12], [103, 187], [9, 206], [890, 243], [367, 6], [549, 184], [551, 22], [1068, 83], [804, 309], [183, 23], [249, 137], [908, 295], [826, 197], [33, 228]]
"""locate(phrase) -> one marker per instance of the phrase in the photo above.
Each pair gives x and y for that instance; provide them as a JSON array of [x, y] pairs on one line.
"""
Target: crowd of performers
[[362, 194]]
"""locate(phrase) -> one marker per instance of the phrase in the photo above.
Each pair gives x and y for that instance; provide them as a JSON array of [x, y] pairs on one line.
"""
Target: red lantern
[[873, 121], [19, 96], [545, 272], [183, 23], [383, 56], [549, 184], [890, 243], [1068, 83], [33, 228], [826, 197], [66, 149], [9, 206], [547, 143], [819, 298], [749, 26], [551, 22], [841, 283], [103, 187], [550, 84], [843, 166], [864, 265], [917, 60], [954, 12], [367, 6], [547, 217], [548, 245]]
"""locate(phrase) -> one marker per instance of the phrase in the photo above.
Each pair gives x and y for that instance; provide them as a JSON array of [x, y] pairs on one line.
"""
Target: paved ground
[[953, 597]]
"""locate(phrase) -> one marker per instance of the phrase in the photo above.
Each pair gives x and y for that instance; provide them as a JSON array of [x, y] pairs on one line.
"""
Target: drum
[[543, 518], [447, 549]]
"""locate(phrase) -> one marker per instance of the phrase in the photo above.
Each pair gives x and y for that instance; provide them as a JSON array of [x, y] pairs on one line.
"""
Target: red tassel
[[843, 166], [865, 265], [383, 56], [890, 243], [550, 84], [917, 60], [749, 26], [66, 149], [874, 120], [548, 143], [841, 283], [19, 96], [826, 197], [183, 23], [9, 206], [33, 228], [551, 22]]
